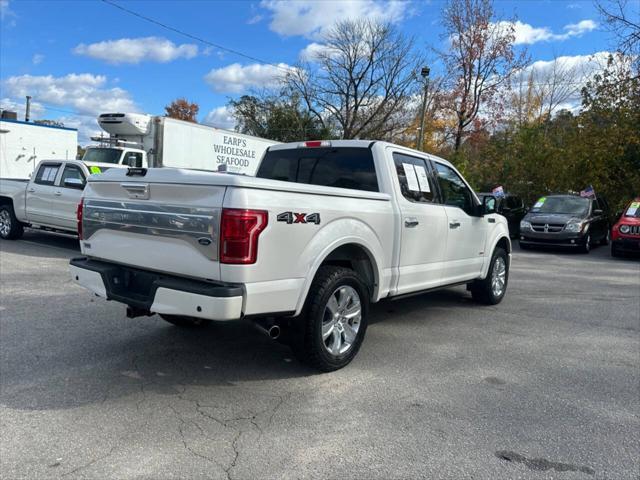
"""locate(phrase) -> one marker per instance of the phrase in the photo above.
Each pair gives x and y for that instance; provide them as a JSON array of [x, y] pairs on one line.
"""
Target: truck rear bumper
[[158, 293]]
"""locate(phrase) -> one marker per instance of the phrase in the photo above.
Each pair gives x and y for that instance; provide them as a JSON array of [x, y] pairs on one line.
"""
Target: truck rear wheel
[[492, 289], [185, 322], [334, 320], [10, 226]]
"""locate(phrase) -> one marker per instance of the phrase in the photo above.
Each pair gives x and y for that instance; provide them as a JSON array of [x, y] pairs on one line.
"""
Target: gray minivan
[[566, 221]]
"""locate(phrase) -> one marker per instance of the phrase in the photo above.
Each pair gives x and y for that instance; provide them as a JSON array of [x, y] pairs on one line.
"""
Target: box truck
[[142, 140], [24, 144]]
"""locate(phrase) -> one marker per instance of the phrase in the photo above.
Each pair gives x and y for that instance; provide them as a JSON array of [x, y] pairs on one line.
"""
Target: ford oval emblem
[[204, 241]]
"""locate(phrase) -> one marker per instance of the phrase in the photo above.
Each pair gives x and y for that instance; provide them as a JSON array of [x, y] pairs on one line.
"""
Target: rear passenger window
[[330, 167], [415, 181], [47, 174]]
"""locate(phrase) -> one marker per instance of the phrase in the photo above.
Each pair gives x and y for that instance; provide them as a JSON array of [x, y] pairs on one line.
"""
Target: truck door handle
[[411, 222], [454, 224], [57, 193], [31, 190]]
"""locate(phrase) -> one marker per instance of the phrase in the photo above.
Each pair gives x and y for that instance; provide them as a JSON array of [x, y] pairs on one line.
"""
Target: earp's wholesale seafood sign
[[236, 152]]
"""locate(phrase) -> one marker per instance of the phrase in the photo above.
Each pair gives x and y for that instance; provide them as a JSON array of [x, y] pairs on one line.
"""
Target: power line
[[193, 37]]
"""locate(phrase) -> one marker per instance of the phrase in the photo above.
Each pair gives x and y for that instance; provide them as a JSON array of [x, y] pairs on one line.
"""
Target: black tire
[[10, 226], [306, 341], [586, 248], [524, 246], [605, 239], [482, 291], [185, 322]]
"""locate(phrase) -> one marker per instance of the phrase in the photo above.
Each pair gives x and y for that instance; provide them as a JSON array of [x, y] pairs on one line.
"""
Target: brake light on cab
[[315, 144], [239, 232]]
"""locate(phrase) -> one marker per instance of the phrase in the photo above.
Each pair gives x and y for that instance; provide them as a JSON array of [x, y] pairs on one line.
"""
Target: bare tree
[[360, 82], [623, 20], [555, 87], [480, 57]]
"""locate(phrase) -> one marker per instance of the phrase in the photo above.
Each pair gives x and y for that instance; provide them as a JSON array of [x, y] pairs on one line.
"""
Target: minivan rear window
[[342, 167]]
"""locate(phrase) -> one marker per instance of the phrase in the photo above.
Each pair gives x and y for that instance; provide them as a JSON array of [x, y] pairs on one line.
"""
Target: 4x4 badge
[[293, 217]]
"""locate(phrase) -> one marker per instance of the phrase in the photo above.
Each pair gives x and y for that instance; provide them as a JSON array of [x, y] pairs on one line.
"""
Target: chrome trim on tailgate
[[196, 225]]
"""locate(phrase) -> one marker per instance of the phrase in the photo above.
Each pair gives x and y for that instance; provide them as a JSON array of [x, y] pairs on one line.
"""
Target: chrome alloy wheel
[[341, 320], [5, 223], [498, 277]]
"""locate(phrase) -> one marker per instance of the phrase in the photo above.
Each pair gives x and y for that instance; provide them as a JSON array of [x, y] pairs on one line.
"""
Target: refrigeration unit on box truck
[[154, 141], [24, 144]]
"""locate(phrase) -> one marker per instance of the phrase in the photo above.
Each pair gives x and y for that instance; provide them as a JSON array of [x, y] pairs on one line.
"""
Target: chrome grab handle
[[31, 190], [57, 193], [454, 224], [411, 222]]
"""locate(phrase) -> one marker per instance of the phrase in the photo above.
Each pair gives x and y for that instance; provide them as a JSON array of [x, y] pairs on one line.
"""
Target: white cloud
[[136, 50], [5, 11], [312, 18], [220, 117], [311, 52], [236, 78], [567, 74], [84, 92], [527, 34], [37, 59]]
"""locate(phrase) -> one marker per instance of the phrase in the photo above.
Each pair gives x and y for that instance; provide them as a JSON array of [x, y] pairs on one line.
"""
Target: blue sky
[[79, 58]]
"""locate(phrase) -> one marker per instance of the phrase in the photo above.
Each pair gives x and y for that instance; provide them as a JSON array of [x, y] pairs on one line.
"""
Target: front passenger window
[[454, 190], [72, 177]]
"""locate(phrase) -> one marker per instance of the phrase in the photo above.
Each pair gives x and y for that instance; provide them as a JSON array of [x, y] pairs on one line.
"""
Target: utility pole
[[425, 74]]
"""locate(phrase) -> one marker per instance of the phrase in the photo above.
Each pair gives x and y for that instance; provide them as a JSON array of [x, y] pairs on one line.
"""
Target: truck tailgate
[[153, 223]]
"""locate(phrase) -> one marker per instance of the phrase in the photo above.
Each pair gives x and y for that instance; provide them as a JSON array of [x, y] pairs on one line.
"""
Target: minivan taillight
[[79, 217], [239, 232]]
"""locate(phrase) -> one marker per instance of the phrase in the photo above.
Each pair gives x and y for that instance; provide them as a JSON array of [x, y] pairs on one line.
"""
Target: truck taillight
[[239, 232], [79, 217]]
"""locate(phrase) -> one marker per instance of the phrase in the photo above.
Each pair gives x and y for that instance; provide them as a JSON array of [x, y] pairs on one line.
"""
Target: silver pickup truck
[[48, 200]]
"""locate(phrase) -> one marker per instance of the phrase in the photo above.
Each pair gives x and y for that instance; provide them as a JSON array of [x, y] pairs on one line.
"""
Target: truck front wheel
[[10, 226], [334, 319]]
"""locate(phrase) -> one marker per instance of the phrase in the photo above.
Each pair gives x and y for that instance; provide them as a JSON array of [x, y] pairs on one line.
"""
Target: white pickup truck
[[302, 249], [48, 200]]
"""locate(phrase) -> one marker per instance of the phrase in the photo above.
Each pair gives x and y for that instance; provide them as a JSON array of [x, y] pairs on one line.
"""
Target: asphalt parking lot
[[544, 385]]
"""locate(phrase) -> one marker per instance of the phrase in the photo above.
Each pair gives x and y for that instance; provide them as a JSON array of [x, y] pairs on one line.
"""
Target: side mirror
[[74, 183], [488, 205]]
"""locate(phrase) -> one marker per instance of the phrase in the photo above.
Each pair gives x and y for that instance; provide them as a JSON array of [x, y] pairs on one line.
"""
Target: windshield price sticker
[[423, 180], [95, 169], [410, 173], [540, 202], [633, 208]]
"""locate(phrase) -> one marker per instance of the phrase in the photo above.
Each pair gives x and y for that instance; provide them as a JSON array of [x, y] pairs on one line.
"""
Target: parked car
[[325, 229], [566, 221], [48, 200], [512, 208], [625, 234]]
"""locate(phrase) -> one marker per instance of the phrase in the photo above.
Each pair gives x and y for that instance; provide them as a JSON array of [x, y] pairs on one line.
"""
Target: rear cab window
[[339, 167], [47, 173]]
